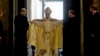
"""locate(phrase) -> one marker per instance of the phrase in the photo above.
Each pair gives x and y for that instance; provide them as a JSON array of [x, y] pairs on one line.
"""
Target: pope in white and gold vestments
[[46, 35]]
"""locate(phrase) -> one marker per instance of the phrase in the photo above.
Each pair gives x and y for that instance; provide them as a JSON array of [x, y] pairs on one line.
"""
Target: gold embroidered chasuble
[[46, 35]]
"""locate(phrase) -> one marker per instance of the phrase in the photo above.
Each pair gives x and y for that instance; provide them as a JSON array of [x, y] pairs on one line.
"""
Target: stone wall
[[4, 5]]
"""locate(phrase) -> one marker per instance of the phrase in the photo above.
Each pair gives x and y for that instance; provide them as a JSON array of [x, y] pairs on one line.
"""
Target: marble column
[[82, 28]]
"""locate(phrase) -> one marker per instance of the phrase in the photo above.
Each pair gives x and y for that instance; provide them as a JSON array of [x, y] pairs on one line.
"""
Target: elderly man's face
[[24, 12], [47, 14], [1, 13], [91, 10], [70, 14]]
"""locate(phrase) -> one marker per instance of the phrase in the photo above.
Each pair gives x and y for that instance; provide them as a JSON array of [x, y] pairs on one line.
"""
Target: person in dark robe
[[1, 33], [72, 34], [3, 45], [88, 39], [21, 27], [94, 30], [1, 25]]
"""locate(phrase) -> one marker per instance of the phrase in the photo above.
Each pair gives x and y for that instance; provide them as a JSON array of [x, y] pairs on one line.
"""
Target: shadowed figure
[[21, 27], [72, 30], [92, 46]]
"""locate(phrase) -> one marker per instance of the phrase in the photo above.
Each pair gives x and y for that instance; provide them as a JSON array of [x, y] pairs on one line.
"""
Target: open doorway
[[36, 9]]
